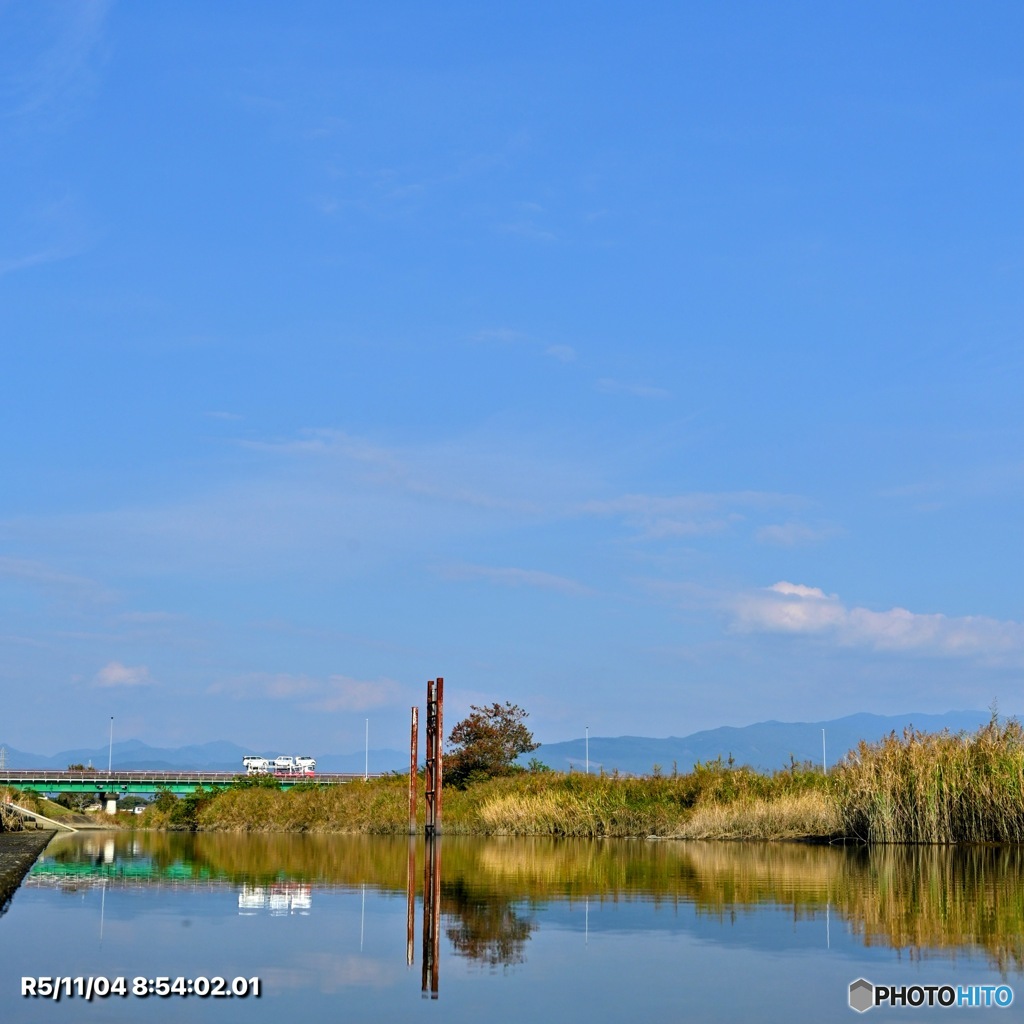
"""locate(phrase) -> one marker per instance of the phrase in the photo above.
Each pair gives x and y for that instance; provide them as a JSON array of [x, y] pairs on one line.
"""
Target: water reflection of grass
[[922, 900]]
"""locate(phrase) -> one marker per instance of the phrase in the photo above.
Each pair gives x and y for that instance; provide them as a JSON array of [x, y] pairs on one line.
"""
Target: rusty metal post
[[428, 761], [439, 756], [435, 756], [414, 756]]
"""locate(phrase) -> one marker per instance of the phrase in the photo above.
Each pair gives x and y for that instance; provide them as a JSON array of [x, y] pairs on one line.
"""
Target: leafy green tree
[[486, 744]]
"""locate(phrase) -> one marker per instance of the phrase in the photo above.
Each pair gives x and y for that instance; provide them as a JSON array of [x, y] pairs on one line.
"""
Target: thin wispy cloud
[[502, 335], [563, 353], [47, 232], [686, 515], [453, 472], [344, 693], [13, 265], [515, 577], [55, 582], [795, 534], [55, 77], [800, 610], [329, 694], [529, 230], [609, 386]]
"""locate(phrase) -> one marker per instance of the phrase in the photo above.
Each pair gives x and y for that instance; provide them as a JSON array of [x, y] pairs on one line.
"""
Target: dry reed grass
[[936, 787], [796, 816]]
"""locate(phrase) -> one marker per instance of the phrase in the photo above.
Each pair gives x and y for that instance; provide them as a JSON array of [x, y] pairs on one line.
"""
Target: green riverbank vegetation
[[915, 788], [712, 800]]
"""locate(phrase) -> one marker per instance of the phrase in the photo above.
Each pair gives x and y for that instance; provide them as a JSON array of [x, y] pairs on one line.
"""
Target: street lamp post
[[110, 752]]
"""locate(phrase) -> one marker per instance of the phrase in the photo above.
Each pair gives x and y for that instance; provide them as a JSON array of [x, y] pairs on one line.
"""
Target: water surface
[[520, 929]]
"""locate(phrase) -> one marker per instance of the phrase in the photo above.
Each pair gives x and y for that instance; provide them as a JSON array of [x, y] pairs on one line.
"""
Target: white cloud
[[115, 674], [797, 609]]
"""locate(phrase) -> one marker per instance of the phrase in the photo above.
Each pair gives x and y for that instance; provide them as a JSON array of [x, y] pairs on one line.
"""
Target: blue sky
[[655, 368]]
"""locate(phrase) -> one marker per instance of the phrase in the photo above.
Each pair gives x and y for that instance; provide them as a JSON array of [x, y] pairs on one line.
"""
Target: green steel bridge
[[108, 786]]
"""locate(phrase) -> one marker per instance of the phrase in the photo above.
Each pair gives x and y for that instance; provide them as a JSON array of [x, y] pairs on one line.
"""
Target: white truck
[[302, 764]]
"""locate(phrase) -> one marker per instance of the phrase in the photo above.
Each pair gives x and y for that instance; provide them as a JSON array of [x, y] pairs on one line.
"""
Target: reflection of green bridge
[[108, 786], [127, 870]]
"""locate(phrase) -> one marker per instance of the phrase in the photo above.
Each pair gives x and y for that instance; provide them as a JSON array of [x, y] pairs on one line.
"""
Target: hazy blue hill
[[765, 745]]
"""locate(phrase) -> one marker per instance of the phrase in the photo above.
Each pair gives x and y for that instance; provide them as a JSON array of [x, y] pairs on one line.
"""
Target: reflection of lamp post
[[110, 753]]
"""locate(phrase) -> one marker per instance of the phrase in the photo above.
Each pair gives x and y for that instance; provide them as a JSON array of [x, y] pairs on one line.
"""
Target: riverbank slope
[[18, 852]]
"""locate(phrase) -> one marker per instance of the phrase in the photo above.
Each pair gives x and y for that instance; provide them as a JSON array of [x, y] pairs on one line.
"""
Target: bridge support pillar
[[109, 803]]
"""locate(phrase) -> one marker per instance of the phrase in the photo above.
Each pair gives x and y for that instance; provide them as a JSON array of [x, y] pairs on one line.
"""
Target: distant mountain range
[[764, 746]]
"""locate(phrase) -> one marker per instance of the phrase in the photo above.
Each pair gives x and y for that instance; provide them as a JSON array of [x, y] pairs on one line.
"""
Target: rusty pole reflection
[[410, 904], [431, 915]]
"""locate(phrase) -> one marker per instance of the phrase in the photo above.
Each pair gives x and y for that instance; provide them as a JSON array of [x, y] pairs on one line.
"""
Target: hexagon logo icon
[[862, 995]]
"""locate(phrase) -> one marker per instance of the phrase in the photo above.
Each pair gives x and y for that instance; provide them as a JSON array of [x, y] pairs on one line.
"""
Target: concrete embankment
[[18, 852]]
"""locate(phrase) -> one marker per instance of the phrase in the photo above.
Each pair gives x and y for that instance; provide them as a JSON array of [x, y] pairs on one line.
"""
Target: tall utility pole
[[110, 753]]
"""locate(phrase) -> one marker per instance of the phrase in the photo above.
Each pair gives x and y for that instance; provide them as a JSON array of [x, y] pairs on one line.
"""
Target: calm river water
[[524, 930]]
